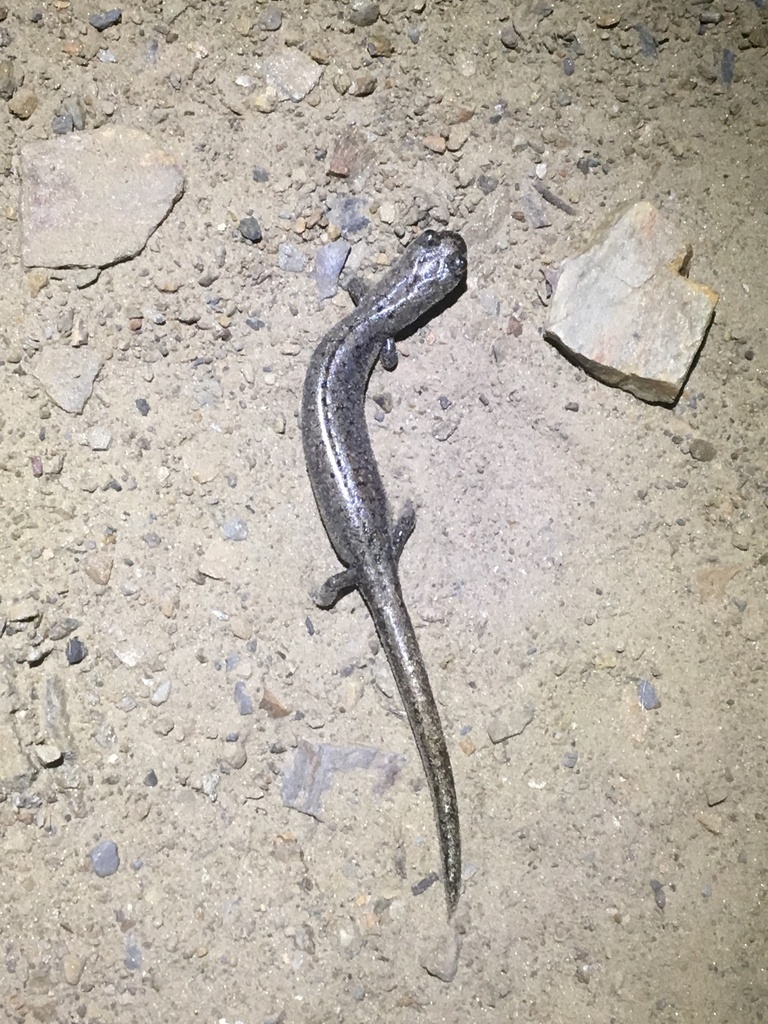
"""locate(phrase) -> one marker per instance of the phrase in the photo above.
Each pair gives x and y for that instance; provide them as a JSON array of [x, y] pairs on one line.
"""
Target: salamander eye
[[429, 237]]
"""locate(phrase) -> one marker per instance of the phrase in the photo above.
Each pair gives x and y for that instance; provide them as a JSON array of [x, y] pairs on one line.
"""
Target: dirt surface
[[568, 545]]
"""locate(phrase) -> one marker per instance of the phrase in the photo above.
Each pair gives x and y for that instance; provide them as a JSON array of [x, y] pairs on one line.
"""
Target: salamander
[[352, 502]]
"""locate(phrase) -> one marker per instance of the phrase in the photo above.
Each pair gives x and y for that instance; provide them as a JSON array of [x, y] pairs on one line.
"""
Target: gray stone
[[509, 723], [442, 961], [67, 374], [48, 754], [702, 451], [106, 20], [315, 765], [290, 258], [329, 262], [363, 13], [105, 859], [161, 694], [291, 74], [271, 18], [90, 199], [625, 312]]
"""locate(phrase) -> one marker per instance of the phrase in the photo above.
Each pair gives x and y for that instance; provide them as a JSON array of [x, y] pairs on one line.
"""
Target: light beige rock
[[90, 199], [625, 311], [291, 73], [68, 375]]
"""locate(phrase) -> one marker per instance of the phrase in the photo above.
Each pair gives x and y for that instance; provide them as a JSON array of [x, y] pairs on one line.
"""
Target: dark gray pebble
[[250, 229], [105, 20], [260, 174], [62, 124], [570, 758], [142, 405], [150, 779], [425, 883], [76, 651], [105, 860]]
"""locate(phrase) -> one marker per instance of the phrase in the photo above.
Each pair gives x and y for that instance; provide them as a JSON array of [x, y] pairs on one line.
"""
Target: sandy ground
[[615, 857]]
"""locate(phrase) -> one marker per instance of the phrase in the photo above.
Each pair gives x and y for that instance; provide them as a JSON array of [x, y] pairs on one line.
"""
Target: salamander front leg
[[329, 593]]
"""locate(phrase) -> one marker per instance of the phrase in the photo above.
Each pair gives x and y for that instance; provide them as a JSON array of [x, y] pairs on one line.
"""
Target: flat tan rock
[[626, 312], [68, 375], [90, 199]]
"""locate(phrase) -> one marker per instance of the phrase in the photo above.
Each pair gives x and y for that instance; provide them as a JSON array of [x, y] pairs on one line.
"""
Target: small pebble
[[658, 894], [62, 124], [76, 651], [105, 859], [242, 699], [647, 695], [702, 451], [49, 755], [150, 779], [105, 20], [23, 104], [290, 258], [72, 968], [363, 13], [161, 694], [509, 723], [271, 18], [143, 406], [235, 529], [133, 958], [510, 40], [329, 262], [250, 228]]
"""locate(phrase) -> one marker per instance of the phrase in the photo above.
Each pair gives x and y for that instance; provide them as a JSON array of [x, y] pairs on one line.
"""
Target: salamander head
[[437, 262]]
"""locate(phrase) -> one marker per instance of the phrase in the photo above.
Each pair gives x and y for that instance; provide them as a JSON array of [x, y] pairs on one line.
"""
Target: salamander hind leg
[[403, 528], [330, 591]]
